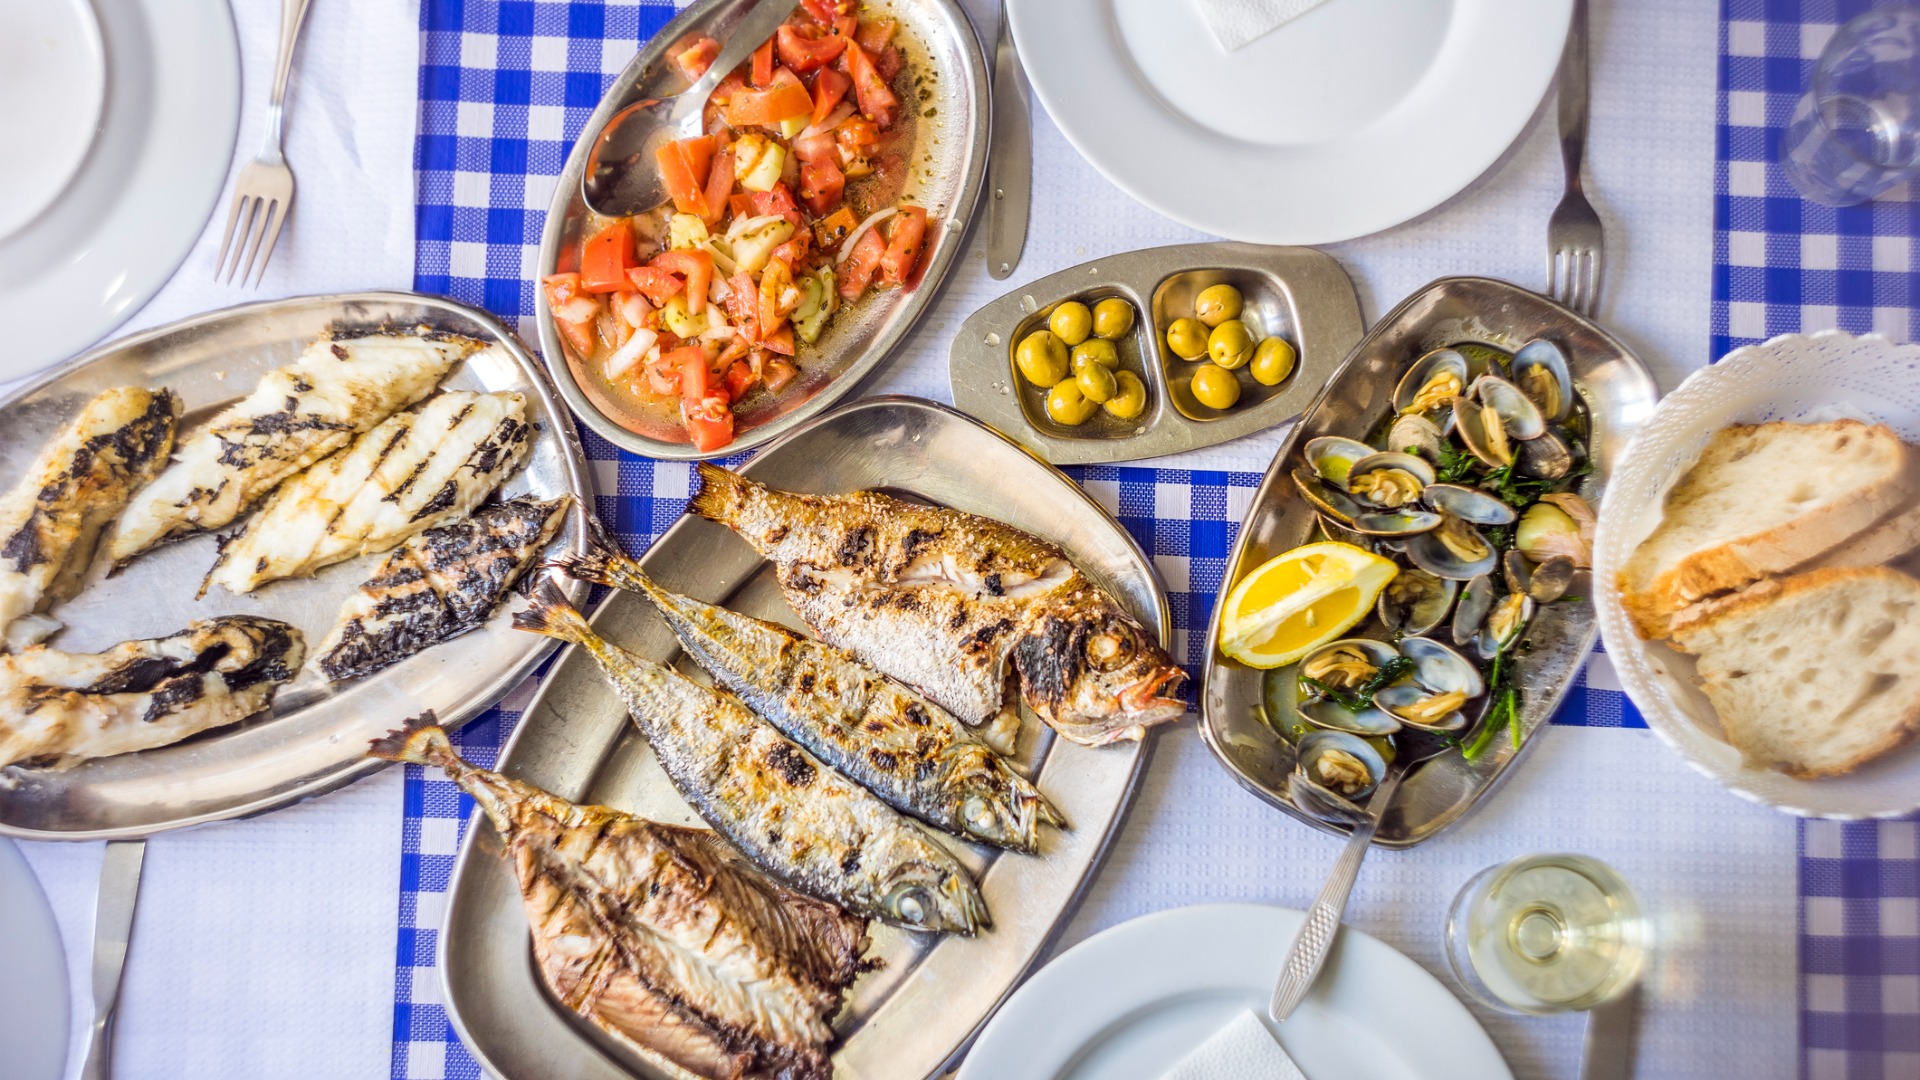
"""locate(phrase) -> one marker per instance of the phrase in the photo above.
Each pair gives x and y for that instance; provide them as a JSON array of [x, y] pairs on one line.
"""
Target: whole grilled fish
[[296, 416], [910, 752], [415, 471], [51, 520], [948, 601], [61, 708], [660, 935], [802, 822], [438, 585]]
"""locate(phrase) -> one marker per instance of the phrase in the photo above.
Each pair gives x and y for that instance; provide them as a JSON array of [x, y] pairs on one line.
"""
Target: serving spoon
[[622, 177]]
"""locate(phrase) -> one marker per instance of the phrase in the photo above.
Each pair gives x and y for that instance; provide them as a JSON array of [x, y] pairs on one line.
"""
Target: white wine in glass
[[1546, 934]]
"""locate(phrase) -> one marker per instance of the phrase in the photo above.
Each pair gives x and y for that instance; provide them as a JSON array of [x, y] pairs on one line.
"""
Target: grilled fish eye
[[1110, 649], [909, 904], [978, 812]]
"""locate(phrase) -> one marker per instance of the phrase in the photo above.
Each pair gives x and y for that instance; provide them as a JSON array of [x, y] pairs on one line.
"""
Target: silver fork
[[263, 194], [1574, 241]]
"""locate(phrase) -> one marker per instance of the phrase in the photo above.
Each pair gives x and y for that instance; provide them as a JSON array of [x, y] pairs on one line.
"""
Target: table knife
[[112, 929], [1009, 159]]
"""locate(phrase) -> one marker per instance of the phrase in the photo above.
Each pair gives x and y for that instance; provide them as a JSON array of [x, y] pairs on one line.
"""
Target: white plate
[[1353, 118], [33, 995], [1129, 1003], [1827, 375], [112, 212]]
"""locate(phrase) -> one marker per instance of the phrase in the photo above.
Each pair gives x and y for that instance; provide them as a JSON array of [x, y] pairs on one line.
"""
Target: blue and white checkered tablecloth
[[1781, 265], [505, 85]]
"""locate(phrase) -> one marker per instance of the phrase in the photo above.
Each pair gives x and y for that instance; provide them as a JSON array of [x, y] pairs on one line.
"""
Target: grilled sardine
[[296, 416], [895, 743], [948, 601], [60, 708], [662, 936], [51, 520], [802, 822], [438, 585], [416, 470]]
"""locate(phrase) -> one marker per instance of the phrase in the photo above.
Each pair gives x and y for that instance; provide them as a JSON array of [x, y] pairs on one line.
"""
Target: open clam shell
[[1551, 579], [1548, 457], [1389, 479], [1505, 623], [1339, 764], [1396, 523], [1431, 382], [1415, 601], [1416, 706], [1333, 457], [1469, 504], [1454, 550], [1413, 433], [1521, 418], [1476, 599], [1540, 370], [1329, 500], [1437, 667]]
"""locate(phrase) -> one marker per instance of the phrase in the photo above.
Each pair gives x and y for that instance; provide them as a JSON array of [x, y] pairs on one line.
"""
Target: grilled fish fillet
[[438, 585], [916, 756], [660, 935], [949, 602], [415, 471], [802, 822], [296, 416], [61, 708], [51, 520]]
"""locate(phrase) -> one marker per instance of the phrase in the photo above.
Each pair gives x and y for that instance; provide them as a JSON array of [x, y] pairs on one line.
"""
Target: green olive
[[1129, 397], [1272, 361], [1071, 322], [1230, 345], [1096, 351], [1215, 387], [1112, 318], [1216, 304], [1096, 382], [1042, 358], [1067, 405], [1187, 338]]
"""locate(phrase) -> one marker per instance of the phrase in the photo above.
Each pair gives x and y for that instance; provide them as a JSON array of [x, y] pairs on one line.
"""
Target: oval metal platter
[[923, 1007], [1619, 394], [1298, 294], [945, 169], [314, 737]]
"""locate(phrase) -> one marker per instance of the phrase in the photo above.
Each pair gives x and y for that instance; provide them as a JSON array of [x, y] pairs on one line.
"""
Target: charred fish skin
[[661, 935], [908, 751], [801, 821], [59, 708], [297, 415], [51, 521], [438, 585], [950, 602], [412, 472]]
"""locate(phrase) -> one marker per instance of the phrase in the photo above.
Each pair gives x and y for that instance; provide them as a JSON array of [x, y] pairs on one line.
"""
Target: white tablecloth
[[265, 948]]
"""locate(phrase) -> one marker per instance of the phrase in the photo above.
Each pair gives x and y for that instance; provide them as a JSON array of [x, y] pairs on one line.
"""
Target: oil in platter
[[1545, 934]]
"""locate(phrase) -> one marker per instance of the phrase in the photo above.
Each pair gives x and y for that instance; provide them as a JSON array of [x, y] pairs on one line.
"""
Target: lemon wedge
[[1293, 603]]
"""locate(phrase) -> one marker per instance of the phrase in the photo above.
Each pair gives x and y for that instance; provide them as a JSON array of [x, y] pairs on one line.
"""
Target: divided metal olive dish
[[1475, 315], [1299, 295]]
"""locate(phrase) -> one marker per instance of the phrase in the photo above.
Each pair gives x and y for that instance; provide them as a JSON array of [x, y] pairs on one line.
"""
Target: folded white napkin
[[1243, 1050], [1236, 22]]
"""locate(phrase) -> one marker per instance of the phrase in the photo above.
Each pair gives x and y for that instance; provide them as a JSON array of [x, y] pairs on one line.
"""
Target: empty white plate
[[53, 80], [1129, 1003], [33, 994], [1350, 119]]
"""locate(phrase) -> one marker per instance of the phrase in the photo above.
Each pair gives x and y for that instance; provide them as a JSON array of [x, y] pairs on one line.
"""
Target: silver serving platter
[[922, 1009], [314, 737], [1619, 394], [945, 171], [1299, 294]]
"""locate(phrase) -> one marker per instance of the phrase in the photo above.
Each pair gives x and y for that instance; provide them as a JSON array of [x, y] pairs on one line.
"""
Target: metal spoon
[[622, 178]]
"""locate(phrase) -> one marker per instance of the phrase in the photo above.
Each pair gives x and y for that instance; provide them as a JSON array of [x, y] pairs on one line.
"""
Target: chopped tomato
[[778, 373], [740, 205], [719, 184], [736, 348], [821, 185], [874, 34], [857, 134], [740, 379], [837, 227], [827, 10], [811, 148], [683, 169], [763, 64], [695, 374], [778, 297], [828, 88], [781, 340], [605, 257], [654, 283], [870, 89], [808, 50], [776, 200], [574, 314], [662, 378], [743, 306], [695, 59], [709, 421], [857, 272], [792, 250], [903, 246], [729, 86], [784, 98], [696, 267]]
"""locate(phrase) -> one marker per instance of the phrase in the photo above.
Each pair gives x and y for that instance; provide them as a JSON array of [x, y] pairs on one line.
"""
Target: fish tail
[[604, 563], [722, 491], [549, 613], [419, 741]]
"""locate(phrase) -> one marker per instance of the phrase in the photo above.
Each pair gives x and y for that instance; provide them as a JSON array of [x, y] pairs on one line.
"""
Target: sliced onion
[[634, 308], [577, 310], [860, 230], [718, 290], [627, 355], [745, 225], [834, 119], [718, 333]]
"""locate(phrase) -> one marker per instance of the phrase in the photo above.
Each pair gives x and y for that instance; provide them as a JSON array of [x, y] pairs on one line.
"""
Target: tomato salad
[[786, 210]]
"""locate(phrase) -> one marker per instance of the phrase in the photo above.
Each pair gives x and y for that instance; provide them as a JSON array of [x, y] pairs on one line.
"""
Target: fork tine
[[276, 217], [1593, 290], [257, 233], [233, 218]]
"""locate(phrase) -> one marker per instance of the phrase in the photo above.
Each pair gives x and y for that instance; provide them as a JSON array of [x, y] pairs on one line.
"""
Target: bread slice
[[1890, 538], [1762, 499], [1815, 674]]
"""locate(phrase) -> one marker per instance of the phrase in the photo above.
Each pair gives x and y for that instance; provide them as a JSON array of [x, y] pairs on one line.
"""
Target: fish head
[[1095, 674], [922, 896]]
